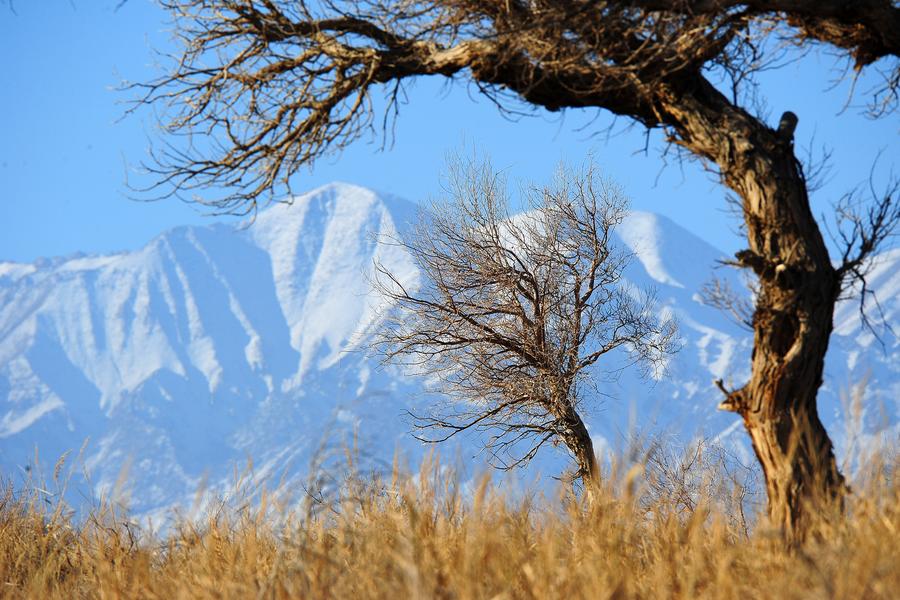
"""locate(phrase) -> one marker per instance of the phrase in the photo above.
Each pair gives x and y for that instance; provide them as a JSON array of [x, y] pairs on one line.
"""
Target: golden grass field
[[422, 536]]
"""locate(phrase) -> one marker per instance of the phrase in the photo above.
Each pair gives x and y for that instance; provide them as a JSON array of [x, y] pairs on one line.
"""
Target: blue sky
[[65, 151]]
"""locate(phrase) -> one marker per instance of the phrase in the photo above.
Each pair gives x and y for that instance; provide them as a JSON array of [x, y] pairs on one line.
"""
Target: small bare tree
[[514, 311]]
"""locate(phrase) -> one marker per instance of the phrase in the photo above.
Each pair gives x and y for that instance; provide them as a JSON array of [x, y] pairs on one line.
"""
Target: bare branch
[[718, 293], [863, 228]]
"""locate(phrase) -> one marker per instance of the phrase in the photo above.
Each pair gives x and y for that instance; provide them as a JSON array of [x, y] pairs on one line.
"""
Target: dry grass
[[426, 537]]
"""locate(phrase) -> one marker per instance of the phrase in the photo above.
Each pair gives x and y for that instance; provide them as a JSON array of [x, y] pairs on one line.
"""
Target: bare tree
[[515, 311], [264, 87], [685, 480]]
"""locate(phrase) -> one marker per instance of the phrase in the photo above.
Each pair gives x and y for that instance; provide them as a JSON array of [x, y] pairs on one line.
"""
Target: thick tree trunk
[[792, 325], [579, 442], [798, 288]]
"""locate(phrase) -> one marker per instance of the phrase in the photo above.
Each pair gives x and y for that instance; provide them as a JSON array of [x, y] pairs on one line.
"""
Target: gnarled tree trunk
[[580, 444], [798, 288], [792, 325]]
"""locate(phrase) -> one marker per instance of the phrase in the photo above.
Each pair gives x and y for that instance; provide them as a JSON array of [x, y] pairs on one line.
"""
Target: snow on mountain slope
[[211, 345], [871, 354]]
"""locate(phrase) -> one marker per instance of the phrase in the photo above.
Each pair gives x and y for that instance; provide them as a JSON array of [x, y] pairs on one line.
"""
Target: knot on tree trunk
[[757, 263], [779, 272], [735, 400], [786, 127]]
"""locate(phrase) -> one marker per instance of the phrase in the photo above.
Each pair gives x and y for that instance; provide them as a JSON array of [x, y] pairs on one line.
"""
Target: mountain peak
[[670, 254], [337, 193]]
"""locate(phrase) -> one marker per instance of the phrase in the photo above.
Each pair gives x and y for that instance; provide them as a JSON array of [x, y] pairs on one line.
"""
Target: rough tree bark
[[579, 440], [798, 288]]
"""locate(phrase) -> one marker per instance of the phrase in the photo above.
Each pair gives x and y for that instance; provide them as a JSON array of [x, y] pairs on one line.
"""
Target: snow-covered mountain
[[212, 345]]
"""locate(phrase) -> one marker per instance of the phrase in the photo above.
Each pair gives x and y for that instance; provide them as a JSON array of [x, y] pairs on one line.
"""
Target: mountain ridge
[[212, 343]]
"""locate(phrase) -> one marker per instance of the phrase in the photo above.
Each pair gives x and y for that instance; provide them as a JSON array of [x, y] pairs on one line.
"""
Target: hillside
[[212, 345]]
